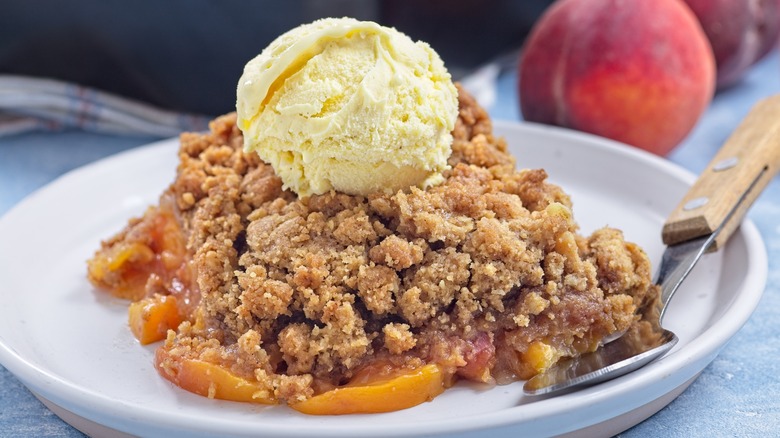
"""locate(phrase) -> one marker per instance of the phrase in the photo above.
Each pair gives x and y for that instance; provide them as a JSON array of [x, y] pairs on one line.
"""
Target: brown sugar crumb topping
[[476, 274]]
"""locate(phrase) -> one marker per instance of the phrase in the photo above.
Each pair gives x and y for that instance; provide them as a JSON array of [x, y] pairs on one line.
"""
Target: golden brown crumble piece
[[477, 274]]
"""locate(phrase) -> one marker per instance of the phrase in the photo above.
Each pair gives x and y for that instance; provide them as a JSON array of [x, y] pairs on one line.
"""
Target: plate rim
[[88, 402]]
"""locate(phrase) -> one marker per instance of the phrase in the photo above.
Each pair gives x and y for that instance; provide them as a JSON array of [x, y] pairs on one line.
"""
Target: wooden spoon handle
[[741, 168]]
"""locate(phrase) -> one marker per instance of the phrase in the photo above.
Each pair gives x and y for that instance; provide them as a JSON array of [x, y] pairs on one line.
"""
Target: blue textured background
[[737, 395]]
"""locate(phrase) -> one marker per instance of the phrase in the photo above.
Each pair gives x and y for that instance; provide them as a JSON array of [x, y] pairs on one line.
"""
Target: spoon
[[702, 222]]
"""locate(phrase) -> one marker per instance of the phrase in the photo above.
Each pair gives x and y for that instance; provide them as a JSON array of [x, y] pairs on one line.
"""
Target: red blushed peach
[[741, 32], [641, 71]]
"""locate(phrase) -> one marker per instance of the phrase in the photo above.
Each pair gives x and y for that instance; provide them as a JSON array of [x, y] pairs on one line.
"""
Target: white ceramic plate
[[71, 346]]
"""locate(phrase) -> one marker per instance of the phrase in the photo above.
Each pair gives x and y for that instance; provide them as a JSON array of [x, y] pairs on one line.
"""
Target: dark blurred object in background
[[187, 55]]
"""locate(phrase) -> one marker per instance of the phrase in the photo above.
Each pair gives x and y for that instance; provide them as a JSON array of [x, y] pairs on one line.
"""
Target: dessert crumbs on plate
[[484, 275]]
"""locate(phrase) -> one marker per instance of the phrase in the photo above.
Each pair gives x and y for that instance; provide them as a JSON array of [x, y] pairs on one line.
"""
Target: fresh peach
[[741, 33], [641, 71]]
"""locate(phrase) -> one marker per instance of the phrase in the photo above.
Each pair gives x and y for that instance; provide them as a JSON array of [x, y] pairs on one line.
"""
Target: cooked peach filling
[[150, 318], [210, 380], [373, 390], [338, 304]]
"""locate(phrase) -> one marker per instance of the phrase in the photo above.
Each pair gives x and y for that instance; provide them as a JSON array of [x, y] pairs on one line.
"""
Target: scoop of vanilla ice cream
[[348, 105]]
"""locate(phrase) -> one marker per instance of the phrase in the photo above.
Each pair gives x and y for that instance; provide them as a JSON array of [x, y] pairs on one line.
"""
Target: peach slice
[[152, 317], [538, 358], [210, 380], [129, 253], [370, 392]]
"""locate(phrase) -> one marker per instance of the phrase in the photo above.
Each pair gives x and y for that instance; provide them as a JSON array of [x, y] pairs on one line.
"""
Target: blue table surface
[[735, 396]]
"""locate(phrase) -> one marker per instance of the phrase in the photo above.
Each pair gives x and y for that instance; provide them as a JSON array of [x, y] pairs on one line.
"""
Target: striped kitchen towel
[[29, 104]]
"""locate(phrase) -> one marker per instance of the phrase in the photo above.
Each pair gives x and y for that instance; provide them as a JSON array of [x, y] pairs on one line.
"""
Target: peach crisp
[[337, 304]]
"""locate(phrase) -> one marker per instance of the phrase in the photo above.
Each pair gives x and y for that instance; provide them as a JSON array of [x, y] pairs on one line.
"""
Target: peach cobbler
[[337, 303]]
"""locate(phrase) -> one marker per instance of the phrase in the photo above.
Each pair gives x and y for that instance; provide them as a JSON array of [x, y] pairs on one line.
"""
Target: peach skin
[[641, 72]]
